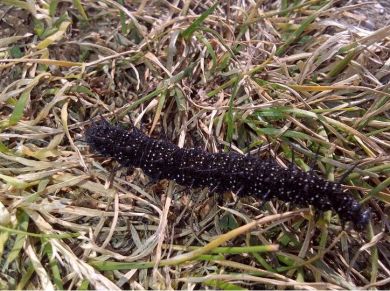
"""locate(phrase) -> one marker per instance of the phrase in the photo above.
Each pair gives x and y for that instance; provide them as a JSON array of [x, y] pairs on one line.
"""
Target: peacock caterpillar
[[221, 172]]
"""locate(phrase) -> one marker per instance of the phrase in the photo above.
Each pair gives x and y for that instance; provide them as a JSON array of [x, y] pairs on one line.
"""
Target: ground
[[280, 78]]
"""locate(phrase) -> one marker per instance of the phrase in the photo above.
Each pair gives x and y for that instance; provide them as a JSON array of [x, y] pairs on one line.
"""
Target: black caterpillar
[[222, 172]]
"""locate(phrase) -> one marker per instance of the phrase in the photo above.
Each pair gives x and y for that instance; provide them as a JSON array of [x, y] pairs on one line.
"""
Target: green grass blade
[[23, 222], [187, 33]]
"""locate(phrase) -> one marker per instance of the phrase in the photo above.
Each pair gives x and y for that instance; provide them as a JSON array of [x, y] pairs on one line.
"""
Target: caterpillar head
[[102, 137], [97, 131]]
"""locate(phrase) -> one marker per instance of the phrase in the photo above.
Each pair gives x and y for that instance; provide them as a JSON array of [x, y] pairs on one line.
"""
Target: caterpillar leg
[[217, 198], [292, 167], [265, 198], [238, 193], [186, 188], [131, 122], [315, 158], [347, 172], [152, 181]]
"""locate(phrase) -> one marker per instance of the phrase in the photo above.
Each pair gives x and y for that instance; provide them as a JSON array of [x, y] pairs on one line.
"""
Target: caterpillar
[[222, 172]]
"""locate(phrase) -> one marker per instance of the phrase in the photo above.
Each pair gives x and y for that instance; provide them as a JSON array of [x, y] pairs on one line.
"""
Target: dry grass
[[266, 76]]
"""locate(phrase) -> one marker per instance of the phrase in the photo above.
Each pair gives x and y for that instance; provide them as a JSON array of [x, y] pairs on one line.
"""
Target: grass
[[264, 78]]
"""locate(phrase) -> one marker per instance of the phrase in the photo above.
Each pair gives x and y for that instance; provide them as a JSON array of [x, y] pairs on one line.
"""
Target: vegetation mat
[[307, 78]]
